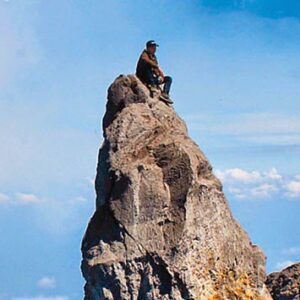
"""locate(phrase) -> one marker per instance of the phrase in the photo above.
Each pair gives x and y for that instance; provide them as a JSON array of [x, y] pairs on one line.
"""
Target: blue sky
[[235, 68]]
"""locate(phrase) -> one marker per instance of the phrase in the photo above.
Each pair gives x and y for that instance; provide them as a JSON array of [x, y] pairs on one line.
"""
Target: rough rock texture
[[285, 285], [162, 227]]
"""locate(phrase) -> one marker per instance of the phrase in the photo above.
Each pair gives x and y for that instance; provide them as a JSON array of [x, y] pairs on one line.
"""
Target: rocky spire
[[162, 228]]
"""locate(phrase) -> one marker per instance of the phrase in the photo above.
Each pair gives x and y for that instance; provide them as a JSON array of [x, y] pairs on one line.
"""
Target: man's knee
[[168, 79]]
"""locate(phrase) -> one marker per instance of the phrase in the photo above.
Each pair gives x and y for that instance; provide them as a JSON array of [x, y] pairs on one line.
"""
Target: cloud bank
[[253, 184]]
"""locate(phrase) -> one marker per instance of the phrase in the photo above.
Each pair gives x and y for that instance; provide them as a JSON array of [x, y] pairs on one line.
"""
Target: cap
[[151, 43]]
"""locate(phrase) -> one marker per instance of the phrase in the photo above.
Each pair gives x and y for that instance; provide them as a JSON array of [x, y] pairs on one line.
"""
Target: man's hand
[[160, 80]]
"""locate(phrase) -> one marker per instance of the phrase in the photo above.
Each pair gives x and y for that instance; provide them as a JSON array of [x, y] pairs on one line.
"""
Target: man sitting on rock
[[149, 73]]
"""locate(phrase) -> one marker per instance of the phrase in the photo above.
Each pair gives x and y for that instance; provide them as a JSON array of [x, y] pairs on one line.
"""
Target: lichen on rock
[[162, 228]]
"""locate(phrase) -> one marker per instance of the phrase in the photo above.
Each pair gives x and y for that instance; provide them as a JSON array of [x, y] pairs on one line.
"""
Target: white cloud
[[62, 214], [3, 198], [284, 264], [23, 198], [293, 188], [292, 251], [47, 282], [78, 200], [245, 184], [42, 298], [264, 190], [57, 215], [259, 127], [238, 174], [238, 192], [91, 181], [273, 174]]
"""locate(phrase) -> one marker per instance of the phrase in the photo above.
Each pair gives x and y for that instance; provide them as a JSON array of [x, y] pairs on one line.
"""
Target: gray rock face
[[285, 285], [162, 228]]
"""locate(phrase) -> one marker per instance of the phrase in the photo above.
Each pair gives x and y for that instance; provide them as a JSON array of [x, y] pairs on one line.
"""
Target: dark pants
[[153, 80]]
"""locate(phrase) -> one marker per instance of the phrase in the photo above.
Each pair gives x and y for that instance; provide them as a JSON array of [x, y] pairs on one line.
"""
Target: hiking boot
[[165, 97]]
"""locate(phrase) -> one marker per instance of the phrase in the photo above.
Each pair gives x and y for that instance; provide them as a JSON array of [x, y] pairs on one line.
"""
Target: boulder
[[285, 285]]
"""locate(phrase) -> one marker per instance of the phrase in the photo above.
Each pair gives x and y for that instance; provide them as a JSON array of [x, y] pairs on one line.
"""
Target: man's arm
[[158, 72], [146, 58], [161, 73]]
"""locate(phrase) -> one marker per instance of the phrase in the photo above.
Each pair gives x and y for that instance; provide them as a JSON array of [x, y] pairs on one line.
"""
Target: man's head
[[151, 46]]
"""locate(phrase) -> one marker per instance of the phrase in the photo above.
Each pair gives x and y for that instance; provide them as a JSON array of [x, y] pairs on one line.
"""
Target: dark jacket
[[146, 63]]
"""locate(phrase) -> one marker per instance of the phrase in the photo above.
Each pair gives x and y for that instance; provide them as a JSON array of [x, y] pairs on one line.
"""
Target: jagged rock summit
[[162, 228], [285, 285]]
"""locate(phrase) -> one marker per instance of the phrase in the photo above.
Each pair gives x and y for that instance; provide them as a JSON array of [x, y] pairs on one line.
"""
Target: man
[[148, 71]]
